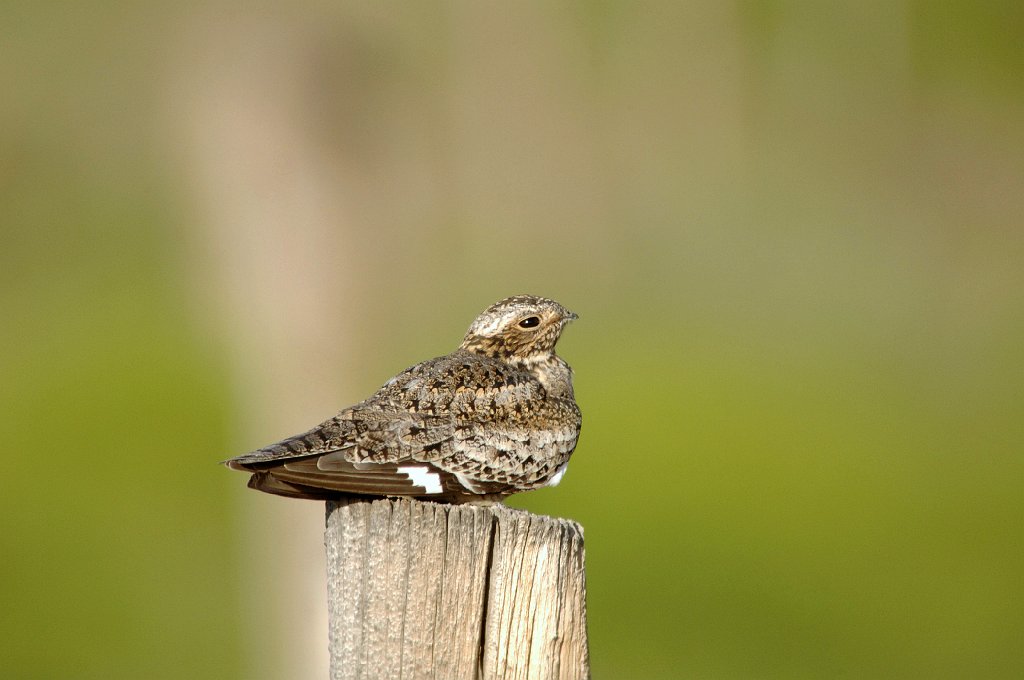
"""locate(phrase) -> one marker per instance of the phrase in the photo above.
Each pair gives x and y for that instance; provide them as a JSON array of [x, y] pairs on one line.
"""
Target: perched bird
[[494, 417]]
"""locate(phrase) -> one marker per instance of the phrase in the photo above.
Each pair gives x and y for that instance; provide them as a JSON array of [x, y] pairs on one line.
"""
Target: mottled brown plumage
[[494, 417]]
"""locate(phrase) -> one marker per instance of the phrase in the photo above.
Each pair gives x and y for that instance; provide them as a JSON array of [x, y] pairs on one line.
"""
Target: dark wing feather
[[384, 479], [265, 481]]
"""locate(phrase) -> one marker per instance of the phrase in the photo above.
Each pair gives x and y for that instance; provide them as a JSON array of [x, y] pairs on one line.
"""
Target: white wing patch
[[557, 477], [422, 476], [467, 483]]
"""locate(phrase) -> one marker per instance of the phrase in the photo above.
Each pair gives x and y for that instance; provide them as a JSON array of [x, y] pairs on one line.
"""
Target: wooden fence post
[[426, 590]]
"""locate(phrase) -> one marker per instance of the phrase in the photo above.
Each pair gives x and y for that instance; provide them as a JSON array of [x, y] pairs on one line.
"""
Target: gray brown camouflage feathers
[[494, 417]]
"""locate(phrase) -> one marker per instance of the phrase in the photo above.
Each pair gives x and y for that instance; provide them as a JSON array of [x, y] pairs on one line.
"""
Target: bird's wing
[[362, 450], [358, 434], [329, 475]]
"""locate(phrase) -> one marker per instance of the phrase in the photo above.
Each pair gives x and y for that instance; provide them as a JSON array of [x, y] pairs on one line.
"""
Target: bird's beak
[[571, 316]]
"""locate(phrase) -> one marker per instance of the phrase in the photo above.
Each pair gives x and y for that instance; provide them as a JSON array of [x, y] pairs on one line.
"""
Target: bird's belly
[[522, 458]]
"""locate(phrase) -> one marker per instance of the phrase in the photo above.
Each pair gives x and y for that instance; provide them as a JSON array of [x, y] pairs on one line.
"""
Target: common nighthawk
[[494, 417]]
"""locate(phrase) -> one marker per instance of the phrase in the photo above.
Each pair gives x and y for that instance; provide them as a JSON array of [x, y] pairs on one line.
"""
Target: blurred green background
[[793, 231]]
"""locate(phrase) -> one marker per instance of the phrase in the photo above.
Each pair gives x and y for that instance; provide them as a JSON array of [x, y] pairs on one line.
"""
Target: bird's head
[[522, 327]]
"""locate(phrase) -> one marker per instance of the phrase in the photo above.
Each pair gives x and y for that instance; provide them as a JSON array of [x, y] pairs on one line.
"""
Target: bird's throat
[[551, 371]]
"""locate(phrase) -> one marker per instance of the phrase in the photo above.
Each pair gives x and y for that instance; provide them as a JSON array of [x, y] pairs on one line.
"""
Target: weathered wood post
[[425, 590]]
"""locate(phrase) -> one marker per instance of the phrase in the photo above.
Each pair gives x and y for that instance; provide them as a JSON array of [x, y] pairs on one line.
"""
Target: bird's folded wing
[[328, 476], [379, 452], [358, 434]]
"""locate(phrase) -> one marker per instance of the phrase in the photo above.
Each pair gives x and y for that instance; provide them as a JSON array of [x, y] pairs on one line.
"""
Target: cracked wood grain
[[424, 590]]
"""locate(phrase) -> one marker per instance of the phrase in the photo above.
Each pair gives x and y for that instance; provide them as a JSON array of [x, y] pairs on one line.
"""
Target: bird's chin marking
[[421, 476], [558, 475]]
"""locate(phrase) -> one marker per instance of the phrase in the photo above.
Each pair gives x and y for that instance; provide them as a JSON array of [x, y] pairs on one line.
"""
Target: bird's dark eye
[[530, 322]]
